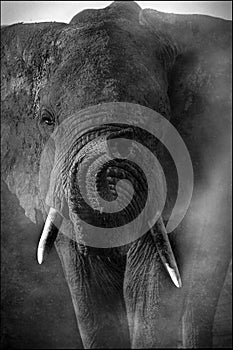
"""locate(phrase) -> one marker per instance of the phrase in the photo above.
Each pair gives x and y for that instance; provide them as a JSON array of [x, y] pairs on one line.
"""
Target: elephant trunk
[[105, 189]]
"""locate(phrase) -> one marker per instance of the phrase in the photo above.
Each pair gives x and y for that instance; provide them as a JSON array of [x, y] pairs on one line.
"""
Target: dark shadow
[[37, 312]]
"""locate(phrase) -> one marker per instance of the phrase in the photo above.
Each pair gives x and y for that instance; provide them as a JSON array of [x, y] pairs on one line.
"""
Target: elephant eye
[[47, 118]]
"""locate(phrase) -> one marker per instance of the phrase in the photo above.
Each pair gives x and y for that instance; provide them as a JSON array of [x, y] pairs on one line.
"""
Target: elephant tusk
[[159, 234], [49, 234]]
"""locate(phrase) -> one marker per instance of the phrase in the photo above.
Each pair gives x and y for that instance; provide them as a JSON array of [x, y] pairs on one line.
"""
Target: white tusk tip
[[40, 256], [175, 279]]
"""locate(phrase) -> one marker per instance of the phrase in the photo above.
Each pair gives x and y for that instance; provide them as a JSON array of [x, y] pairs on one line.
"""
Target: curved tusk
[[159, 234], [49, 234]]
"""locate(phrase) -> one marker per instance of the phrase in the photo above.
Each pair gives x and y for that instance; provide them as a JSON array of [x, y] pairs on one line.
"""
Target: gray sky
[[63, 11]]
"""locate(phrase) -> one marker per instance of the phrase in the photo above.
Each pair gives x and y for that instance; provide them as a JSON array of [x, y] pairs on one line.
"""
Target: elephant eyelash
[[48, 121]]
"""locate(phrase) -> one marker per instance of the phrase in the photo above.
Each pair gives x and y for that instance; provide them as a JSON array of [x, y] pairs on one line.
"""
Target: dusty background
[[36, 306]]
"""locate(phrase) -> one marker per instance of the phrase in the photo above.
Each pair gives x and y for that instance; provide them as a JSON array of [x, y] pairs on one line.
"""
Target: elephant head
[[75, 103]]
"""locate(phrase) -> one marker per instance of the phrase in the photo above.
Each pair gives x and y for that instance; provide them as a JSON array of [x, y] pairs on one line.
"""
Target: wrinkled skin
[[176, 65]]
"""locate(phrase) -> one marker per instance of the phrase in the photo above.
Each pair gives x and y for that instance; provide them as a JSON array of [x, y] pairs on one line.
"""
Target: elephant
[[178, 66]]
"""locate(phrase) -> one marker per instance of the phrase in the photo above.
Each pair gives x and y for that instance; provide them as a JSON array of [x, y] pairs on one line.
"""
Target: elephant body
[[178, 66]]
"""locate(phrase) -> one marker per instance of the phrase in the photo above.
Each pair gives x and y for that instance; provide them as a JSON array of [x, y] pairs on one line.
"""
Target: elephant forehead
[[98, 46], [127, 10], [94, 66]]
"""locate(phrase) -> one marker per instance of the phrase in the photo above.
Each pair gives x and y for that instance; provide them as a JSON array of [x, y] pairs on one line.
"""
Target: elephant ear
[[28, 56], [199, 82]]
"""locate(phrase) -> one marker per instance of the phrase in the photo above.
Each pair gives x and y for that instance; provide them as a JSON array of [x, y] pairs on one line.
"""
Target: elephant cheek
[[55, 195], [46, 167]]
